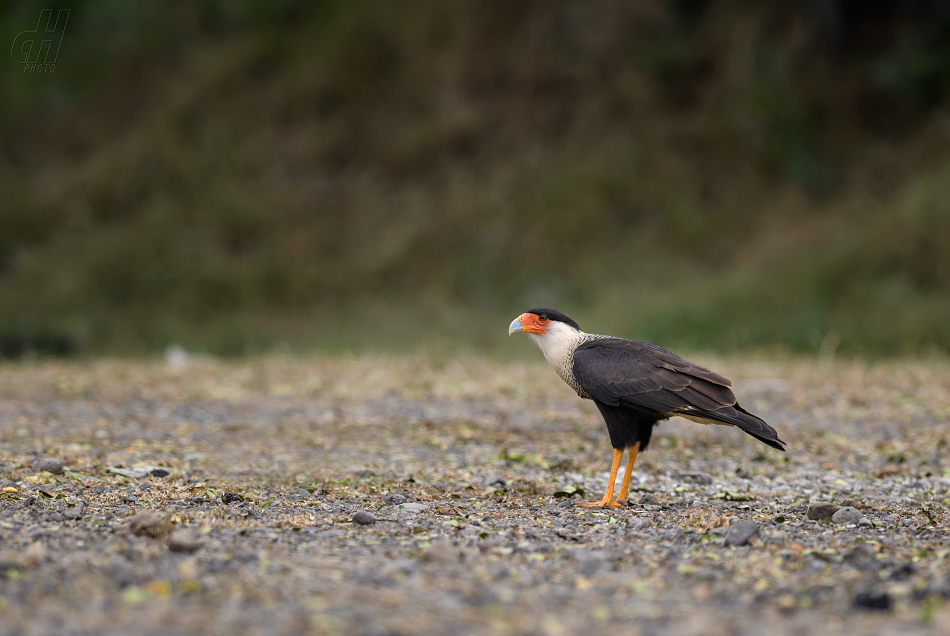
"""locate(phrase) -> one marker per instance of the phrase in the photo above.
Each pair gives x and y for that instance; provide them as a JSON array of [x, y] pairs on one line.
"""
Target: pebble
[[647, 499], [147, 524], [183, 540], [701, 479], [440, 552], [75, 512], [230, 497], [740, 532], [495, 481], [821, 511], [35, 554], [394, 499], [363, 518], [50, 465], [846, 515], [412, 507]]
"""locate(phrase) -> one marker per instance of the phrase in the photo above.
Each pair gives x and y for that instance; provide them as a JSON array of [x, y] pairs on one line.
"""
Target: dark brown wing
[[654, 381]]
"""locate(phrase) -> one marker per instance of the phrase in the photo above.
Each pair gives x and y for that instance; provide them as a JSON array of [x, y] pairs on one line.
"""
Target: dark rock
[[184, 540], [231, 497], [144, 486], [363, 518], [29, 501], [148, 524], [647, 499], [159, 472], [130, 500], [902, 571], [50, 465], [394, 499], [821, 511], [873, 601], [740, 532]]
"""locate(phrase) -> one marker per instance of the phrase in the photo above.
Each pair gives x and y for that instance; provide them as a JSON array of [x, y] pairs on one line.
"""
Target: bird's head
[[542, 322]]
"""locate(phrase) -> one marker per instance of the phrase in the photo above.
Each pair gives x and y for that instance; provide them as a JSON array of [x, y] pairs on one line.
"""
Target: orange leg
[[607, 501], [625, 484]]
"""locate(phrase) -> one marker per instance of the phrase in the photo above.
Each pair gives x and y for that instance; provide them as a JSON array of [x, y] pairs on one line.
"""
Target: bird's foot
[[603, 503]]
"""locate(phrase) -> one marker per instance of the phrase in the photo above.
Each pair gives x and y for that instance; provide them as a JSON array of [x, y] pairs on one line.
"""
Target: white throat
[[558, 344]]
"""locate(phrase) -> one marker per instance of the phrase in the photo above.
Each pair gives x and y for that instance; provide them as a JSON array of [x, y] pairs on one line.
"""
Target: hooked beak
[[516, 326]]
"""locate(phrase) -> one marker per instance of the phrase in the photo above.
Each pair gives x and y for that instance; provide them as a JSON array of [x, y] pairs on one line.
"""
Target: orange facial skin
[[532, 323]]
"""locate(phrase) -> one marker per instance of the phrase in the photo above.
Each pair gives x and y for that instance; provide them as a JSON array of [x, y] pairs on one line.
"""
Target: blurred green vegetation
[[240, 175]]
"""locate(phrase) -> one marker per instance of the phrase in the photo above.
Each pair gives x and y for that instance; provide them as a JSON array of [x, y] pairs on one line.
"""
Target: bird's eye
[[543, 318]]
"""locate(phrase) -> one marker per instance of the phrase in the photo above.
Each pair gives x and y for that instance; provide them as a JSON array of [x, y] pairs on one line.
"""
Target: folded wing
[[655, 382]]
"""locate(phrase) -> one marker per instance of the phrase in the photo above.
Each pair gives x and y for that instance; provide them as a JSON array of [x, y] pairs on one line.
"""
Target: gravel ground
[[416, 495]]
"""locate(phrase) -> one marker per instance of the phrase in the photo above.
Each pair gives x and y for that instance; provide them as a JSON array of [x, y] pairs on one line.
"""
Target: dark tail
[[754, 426]]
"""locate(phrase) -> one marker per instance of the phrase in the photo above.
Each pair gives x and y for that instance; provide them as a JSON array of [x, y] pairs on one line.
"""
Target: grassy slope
[[235, 177]]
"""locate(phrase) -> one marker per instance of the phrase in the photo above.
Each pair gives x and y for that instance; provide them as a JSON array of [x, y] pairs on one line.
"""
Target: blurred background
[[239, 176]]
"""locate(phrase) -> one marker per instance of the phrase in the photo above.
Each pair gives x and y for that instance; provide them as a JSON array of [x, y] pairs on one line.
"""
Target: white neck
[[558, 342]]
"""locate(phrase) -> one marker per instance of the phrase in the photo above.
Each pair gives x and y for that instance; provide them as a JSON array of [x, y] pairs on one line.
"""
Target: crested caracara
[[635, 385]]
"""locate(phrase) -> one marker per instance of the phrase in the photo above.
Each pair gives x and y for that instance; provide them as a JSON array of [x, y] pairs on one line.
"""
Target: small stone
[[230, 497], [647, 499], [873, 601], [702, 479], [495, 481], [846, 515], [183, 540], [35, 554], [740, 532], [864, 522], [159, 472], [147, 524], [50, 465], [412, 507], [860, 555], [363, 518], [75, 512], [394, 499], [821, 511], [440, 552], [639, 524]]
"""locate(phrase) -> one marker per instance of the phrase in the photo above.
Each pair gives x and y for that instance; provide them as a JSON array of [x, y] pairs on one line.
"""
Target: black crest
[[553, 314]]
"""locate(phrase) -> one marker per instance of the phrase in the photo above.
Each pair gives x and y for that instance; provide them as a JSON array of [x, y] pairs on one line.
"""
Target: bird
[[635, 385]]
